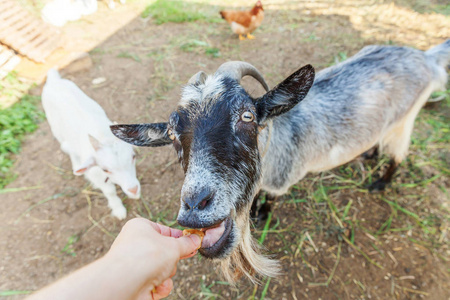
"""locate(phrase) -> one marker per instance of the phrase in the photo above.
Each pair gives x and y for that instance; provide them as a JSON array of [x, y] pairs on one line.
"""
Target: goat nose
[[198, 201], [133, 190]]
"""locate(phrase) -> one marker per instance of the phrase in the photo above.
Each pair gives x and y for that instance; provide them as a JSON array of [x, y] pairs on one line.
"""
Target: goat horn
[[200, 77], [238, 69]]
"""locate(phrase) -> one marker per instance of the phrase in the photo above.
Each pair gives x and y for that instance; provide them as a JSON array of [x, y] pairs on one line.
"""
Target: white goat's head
[[117, 160], [215, 133]]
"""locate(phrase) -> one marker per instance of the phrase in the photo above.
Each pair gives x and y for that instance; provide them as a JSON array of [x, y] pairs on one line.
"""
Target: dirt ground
[[333, 238]]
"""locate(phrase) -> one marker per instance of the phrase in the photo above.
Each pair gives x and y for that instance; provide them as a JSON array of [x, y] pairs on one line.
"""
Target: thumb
[[188, 244]]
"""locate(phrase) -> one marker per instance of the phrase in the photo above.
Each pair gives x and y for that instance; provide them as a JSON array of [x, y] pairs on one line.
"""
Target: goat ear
[[81, 169], [95, 143], [144, 135], [285, 95]]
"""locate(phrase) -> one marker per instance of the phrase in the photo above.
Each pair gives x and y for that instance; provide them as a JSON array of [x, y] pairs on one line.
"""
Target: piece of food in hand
[[244, 22], [200, 233]]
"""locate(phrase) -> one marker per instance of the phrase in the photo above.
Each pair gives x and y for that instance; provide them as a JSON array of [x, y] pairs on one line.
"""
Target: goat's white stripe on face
[[199, 176], [203, 93]]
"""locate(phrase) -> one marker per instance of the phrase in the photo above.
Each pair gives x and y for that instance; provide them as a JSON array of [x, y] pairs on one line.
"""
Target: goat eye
[[247, 116], [171, 134], [106, 171]]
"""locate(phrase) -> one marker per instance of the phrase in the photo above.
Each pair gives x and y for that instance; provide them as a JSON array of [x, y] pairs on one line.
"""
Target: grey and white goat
[[82, 128], [232, 145]]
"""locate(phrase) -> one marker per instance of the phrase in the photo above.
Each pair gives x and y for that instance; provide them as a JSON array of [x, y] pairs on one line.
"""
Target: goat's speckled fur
[[370, 99]]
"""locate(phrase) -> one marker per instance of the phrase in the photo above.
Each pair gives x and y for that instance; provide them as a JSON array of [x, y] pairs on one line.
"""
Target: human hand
[[150, 252]]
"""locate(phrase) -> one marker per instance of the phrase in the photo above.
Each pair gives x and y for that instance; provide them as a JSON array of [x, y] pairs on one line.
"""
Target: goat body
[[82, 128], [232, 145], [372, 99]]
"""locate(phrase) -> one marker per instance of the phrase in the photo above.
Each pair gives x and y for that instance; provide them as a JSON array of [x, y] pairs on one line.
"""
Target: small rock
[[98, 80]]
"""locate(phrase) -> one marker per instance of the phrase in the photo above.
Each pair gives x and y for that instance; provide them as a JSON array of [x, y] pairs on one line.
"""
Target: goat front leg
[[100, 180], [381, 183], [266, 208], [259, 216], [371, 153], [254, 209]]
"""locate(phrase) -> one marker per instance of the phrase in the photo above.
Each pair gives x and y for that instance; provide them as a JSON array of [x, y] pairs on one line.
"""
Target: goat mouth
[[216, 238]]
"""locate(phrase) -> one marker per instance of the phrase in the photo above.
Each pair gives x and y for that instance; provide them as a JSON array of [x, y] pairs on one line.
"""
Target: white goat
[[82, 128]]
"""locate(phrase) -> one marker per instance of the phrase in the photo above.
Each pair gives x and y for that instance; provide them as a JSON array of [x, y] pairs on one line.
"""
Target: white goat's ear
[[144, 135], [95, 143], [285, 95], [81, 169]]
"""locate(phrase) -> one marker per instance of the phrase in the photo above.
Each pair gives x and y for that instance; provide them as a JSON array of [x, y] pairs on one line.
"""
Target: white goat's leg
[[100, 180]]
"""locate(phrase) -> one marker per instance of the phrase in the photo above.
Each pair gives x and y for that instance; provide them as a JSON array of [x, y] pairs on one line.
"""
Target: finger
[[188, 244], [174, 271], [163, 290], [189, 255], [166, 231]]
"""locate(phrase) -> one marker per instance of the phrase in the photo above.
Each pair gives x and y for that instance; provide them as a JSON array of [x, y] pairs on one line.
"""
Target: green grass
[[206, 292], [13, 293], [199, 46], [441, 94], [213, 52], [442, 9], [68, 248], [431, 137], [15, 122], [11, 89], [165, 11], [193, 45], [340, 57], [133, 56], [426, 6]]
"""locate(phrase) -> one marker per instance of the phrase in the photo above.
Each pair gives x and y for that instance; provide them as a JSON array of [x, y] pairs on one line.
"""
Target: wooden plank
[[34, 44], [13, 29], [37, 36], [5, 55], [25, 33], [10, 12], [46, 48], [24, 36], [4, 5], [21, 15]]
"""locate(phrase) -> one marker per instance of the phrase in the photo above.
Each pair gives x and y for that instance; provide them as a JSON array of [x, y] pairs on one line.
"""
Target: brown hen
[[244, 22]]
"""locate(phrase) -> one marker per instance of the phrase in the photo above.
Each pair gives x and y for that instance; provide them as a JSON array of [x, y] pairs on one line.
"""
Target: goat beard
[[247, 259]]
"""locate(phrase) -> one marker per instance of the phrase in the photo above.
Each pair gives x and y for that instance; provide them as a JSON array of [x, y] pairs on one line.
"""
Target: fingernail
[[196, 239]]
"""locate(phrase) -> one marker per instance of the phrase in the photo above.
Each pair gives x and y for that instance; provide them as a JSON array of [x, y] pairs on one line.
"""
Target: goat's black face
[[216, 141], [215, 133]]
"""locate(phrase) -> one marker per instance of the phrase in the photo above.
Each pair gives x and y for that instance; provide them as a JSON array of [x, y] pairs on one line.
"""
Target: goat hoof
[[370, 154], [120, 212], [377, 186], [261, 220]]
